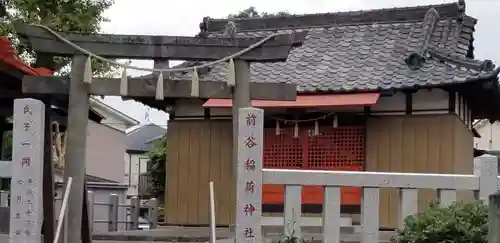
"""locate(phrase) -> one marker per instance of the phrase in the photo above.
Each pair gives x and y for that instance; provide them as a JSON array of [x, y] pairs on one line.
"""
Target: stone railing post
[[113, 213], [486, 168], [494, 218], [153, 213], [408, 204], [91, 205], [292, 211], [135, 212]]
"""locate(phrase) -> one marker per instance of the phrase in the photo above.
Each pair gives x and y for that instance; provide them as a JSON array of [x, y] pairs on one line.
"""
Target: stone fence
[[484, 182], [106, 215]]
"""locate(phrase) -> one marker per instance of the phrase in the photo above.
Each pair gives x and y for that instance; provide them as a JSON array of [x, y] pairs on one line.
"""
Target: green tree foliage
[[252, 12], [7, 145], [457, 223], [61, 15], [157, 167]]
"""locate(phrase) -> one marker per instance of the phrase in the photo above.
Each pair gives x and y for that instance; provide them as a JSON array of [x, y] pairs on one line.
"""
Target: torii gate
[[160, 49]]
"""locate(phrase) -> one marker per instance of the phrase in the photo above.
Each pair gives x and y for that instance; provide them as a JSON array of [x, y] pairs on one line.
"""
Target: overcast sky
[[182, 18]]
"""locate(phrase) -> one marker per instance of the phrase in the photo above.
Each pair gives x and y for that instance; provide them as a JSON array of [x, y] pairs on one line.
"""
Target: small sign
[[27, 160], [249, 175]]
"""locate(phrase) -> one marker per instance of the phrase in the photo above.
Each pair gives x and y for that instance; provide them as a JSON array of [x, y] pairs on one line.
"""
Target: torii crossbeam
[[158, 48], [161, 47]]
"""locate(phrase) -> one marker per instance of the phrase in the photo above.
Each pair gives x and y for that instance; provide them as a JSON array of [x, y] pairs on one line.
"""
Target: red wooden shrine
[[340, 148]]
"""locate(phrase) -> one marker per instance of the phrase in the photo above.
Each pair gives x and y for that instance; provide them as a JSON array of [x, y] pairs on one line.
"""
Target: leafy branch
[[61, 15]]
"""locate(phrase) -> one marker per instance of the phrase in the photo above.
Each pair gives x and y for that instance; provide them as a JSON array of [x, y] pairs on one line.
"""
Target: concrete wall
[[101, 192]]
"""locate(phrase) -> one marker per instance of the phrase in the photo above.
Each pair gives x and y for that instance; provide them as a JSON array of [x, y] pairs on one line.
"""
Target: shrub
[[161, 213], [457, 223], [290, 236]]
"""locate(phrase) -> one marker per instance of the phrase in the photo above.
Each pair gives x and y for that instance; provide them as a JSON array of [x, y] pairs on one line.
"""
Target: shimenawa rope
[[60, 145], [159, 85]]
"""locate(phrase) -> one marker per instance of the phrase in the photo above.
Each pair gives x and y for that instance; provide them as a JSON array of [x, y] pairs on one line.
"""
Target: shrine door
[[340, 148]]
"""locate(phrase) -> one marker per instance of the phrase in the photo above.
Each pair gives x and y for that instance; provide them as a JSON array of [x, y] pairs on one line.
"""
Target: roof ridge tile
[[397, 14], [430, 20], [415, 60]]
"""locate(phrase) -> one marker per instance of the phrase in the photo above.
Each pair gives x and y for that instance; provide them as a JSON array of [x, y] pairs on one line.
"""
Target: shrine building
[[390, 90]]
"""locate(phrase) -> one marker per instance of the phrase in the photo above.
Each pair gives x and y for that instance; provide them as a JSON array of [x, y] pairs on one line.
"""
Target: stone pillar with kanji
[[27, 160], [249, 175]]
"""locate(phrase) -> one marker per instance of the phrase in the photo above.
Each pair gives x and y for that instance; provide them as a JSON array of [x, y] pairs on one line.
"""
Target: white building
[[111, 116], [490, 135], [139, 143], [106, 144]]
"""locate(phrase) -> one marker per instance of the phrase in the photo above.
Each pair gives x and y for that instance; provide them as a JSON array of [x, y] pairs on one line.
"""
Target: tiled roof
[[367, 50], [140, 138]]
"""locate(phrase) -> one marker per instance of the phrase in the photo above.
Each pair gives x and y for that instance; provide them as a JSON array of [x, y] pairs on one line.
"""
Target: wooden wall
[[417, 143], [199, 151]]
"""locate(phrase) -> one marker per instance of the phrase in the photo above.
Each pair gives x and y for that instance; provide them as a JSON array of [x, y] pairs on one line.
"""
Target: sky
[[182, 18]]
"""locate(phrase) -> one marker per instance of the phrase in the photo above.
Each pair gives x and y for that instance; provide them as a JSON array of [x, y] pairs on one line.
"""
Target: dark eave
[[480, 152]]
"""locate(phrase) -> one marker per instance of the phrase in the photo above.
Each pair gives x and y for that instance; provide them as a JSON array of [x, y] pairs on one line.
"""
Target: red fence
[[340, 148]]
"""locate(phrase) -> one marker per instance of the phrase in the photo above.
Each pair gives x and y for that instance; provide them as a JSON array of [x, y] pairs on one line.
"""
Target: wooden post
[[3, 129], [48, 177], [494, 218], [48, 192], [78, 110], [86, 223]]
